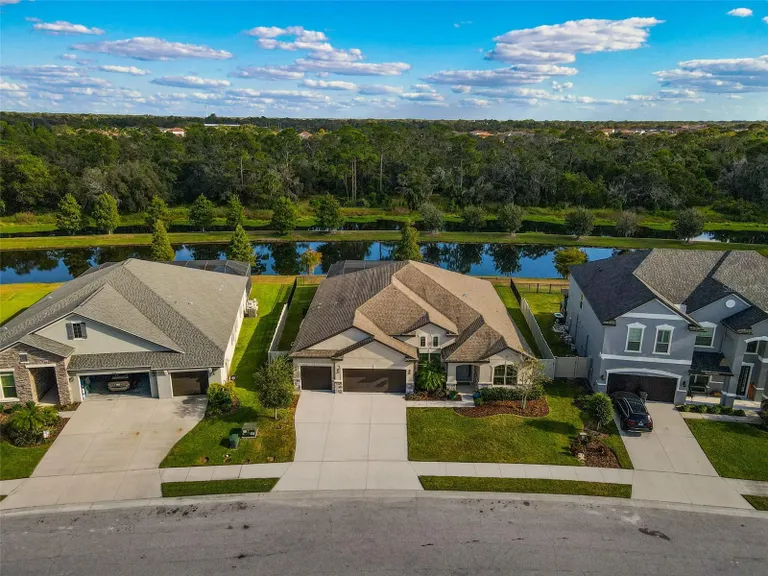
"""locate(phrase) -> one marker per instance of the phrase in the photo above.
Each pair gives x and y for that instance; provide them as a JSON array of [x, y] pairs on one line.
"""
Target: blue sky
[[506, 60]]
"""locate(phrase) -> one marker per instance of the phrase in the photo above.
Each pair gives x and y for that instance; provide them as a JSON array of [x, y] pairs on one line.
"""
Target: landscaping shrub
[[430, 377], [714, 409], [500, 394], [600, 407], [683, 408], [727, 410], [763, 418], [222, 399], [738, 412], [28, 423], [699, 408]]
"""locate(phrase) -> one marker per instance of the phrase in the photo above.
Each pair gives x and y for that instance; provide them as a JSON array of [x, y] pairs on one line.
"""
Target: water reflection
[[284, 258]]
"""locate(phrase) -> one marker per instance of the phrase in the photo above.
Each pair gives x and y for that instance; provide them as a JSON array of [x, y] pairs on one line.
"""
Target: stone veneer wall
[[9, 359]]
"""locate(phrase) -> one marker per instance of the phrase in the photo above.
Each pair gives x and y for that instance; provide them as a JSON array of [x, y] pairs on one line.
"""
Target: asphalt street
[[386, 536]]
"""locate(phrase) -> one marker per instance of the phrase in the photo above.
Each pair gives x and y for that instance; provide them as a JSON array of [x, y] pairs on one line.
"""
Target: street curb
[[391, 495]]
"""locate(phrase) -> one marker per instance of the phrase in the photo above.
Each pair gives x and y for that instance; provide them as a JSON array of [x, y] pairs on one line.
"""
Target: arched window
[[505, 375]]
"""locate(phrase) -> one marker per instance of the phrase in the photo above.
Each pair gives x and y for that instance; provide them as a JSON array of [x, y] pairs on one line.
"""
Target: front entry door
[[744, 375]]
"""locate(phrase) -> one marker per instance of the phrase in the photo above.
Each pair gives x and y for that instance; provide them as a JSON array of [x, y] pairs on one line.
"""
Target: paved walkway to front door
[[670, 465], [350, 441], [110, 450]]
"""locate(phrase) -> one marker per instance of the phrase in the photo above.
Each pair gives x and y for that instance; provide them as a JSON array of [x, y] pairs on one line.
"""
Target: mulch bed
[[597, 454], [533, 409]]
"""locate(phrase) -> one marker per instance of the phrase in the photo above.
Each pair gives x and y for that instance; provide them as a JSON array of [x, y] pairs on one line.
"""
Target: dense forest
[[648, 166]]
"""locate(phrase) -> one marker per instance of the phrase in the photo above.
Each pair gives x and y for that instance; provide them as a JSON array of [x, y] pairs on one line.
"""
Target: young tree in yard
[[235, 212], [201, 213], [283, 216], [105, 212], [430, 377], [530, 377], [432, 217], [157, 210], [161, 246], [626, 224], [70, 216], [567, 257], [240, 248], [310, 260], [473, 218], [688, 224], [579, 222], [28, 422], [273, 383], [407, 247], [328, 213], [510, 218], [599, 406]]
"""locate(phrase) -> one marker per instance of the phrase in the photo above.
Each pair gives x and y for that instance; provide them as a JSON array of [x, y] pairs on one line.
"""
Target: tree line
[[380, 164]]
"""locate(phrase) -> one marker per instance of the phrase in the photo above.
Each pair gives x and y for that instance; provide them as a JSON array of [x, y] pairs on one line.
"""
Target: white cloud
[[723, 76], [7, 2], [765, 19], [512, 75], [190, 82], [267, 96], [132, 70], [740, 12], [63, 27], [329, 84], [378, 89], [150, 48], [322, 57], [462, 23], [422, 88], [422, 96], [68, 57], [267, 73], [475, 102], [561, 86], [683, 95], [559, 43], [53, 76]]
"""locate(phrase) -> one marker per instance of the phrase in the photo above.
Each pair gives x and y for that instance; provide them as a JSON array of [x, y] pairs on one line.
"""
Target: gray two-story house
[[673, 322]]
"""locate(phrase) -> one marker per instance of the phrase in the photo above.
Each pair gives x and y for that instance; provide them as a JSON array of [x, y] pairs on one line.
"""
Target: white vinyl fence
[[554, 366], [273, 351]]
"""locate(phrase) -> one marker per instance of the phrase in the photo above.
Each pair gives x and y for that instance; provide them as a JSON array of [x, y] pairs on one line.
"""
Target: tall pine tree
[[235, 212], [70, 216], [162, 251], [407, 247], [240, 248]]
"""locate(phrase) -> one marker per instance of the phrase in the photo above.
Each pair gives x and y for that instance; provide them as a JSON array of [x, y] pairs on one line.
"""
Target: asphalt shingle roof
[[693, 278], [744, 320], [387, 299], [709, 363], [189, 311]]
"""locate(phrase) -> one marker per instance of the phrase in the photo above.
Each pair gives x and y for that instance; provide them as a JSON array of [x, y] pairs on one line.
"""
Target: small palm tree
[[430, 377], [32, 419]]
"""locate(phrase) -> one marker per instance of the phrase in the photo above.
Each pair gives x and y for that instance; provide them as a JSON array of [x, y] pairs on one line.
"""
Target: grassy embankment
[[177, 238], [15, 298]]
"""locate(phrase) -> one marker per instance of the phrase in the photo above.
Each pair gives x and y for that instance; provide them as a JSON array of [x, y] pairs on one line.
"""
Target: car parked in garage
[[633, 415]]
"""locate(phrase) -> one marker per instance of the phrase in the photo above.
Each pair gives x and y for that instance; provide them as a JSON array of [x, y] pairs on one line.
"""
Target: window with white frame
[[505, 375], [422, 342], [752, 347], [76, 331], [634, 338], [435, 341], [8, 386], [663, 341], [706, 338]]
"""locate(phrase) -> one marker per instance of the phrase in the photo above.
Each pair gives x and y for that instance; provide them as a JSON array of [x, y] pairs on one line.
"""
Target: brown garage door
[[657, 387], [188, 383], [374, 380], [316, 378]]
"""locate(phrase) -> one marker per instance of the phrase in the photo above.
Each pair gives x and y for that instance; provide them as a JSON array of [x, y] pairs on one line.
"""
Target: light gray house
[[160, 329], [667, 322], [370, 323]]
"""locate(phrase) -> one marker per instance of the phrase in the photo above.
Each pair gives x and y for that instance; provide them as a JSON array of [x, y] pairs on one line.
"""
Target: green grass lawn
[[238, 486], [758, 502], [525, 486], [736, 450], [16, 462], [442, 435], [207, 443], [506, 295], [544, 307], [302, 298], [15, 298]]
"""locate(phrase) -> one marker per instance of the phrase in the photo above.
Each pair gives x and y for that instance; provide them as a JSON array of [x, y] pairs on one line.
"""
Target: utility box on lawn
[[250, 430], [234, 440]]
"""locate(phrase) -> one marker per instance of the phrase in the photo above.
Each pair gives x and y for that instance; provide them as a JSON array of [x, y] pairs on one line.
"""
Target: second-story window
[[752, 347], [706, 338], [422, 342], [663, 340], [634, 338], [435, 341], [76, 331]]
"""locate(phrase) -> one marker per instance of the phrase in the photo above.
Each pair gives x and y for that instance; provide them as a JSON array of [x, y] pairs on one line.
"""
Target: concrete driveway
[[670, 466], [350, 441], [110, 450]]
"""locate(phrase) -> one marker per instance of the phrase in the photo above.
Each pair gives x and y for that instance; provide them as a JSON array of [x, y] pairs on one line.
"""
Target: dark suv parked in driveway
[[632, 412]]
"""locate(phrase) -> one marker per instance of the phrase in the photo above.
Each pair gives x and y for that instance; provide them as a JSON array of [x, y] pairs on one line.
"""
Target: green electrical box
[[234, 440]]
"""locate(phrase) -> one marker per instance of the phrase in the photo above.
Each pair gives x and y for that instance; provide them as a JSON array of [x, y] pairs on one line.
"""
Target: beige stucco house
[[370, 323], [151, 328]]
